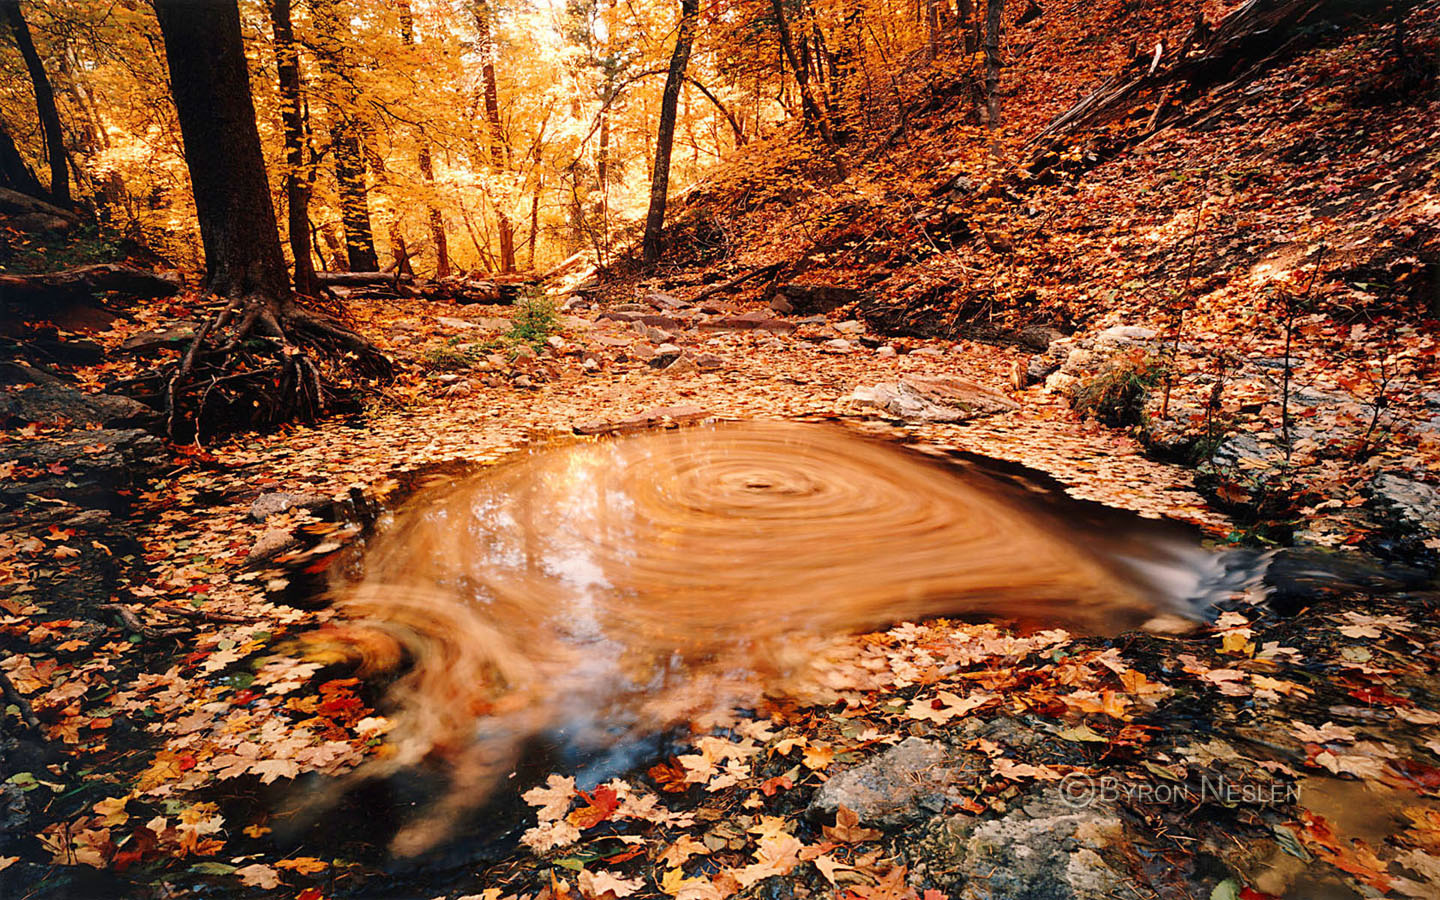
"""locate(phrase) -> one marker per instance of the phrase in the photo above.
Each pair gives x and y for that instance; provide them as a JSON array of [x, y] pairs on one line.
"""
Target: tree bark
[[653, 243], [44, 102], [499, 153], [427, 167], [14, 173], [297, 182], [813, 112], [994, 11], [346, 134]]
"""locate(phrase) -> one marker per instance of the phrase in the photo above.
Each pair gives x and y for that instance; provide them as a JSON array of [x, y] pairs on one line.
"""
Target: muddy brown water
[[600, 591]]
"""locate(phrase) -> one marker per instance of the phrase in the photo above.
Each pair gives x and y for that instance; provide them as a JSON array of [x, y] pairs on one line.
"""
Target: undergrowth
[[1116, 395]]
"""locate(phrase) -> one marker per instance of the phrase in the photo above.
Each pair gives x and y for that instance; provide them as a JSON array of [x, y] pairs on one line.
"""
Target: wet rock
[[271, 544], [660, 415], [99, 468], [1047, 849], [902, 785], [30, 395], [276, 502], [939, 398]]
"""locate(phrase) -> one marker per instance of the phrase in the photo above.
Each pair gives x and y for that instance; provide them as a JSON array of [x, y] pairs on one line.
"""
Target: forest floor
[[1268, 265], [989, 762]]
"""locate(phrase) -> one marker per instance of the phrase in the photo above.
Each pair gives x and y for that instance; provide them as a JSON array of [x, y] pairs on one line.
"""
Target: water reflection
[[613, 587]]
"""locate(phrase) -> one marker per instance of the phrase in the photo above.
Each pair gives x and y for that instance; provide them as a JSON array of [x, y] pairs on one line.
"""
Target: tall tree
[[346, 135], [499, 152], [44, 102], [243, 263], [297, 179], [994, 14], [654, 243], [15, 174], [427, 165], [811, 110]]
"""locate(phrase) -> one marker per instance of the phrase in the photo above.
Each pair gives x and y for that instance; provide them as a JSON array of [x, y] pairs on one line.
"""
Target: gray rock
[[270, 545], [838, 345], [30, 395], [168, 337], [906, 783], [1125, 335], [756, 320], [1045, 850], [1409, 506], [661, 300], [885, 351], [276, 502]]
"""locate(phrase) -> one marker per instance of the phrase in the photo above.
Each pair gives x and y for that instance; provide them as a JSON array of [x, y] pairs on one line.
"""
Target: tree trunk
[[211, 87], [812, 111], [14, 173], [665, 136], [499, 153], [965, 20], [346, 133], [427, 168], [297, 183], [44, 102], [994, 12]]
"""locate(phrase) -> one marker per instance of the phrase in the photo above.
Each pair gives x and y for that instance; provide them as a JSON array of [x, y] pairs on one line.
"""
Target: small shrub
[[535, 319], [451, 356], [1116, 395]]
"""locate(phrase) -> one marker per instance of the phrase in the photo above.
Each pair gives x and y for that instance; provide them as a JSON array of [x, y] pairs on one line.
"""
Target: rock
[[1278, 363], [524, 351], [1047, 849], [849, 327], [271, 544], [927, 351], [462, 388], [647, 318], [760, 319], [524, 382], [1039, 337], [557, 344], [683, 365], [149, 343], [1409, 509], [939, 398], [808, 299], [661, 300], [709, 362], [885, 352], [838, 345], [30, 395], [904, 784], [781, 305], [665, 354], [660, 415], [274, 503], [590, 366], [98, 468], [1124, 335], [643, 352]]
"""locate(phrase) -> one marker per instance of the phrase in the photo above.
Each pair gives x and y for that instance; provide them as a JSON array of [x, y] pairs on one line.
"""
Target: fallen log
[[361, 279], [83, 283], [735, 282]]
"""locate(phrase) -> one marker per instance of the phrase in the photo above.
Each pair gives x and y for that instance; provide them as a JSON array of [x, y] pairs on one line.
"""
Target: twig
[[1292, 303], [1185, 293], [734, 282]]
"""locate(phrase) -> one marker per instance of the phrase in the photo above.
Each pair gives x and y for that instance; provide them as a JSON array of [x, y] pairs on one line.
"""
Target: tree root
[[258, 361]]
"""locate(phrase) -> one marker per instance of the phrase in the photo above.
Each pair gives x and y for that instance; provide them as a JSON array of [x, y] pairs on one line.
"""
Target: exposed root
[[259, 361]]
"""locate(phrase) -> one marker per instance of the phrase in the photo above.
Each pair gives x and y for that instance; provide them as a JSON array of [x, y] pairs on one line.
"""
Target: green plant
[[452, 356], [1116, 394], [535, 319]]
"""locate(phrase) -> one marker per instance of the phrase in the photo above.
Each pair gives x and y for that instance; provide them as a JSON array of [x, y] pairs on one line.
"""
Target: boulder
[[938, 398], [683, 365], [907, 783], [151, 342], [1046, 849], [665, 354], [97, 468], [30, 395], [1409, 510], [276, 502]]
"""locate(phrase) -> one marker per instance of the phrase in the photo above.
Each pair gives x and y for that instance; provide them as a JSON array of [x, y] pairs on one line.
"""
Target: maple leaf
[[271, 769], [683, 849], [598, 807], [599, 885], [305, 865], [258, 875], [777, 854], [946, 706], [847, 830], [553, 799]]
